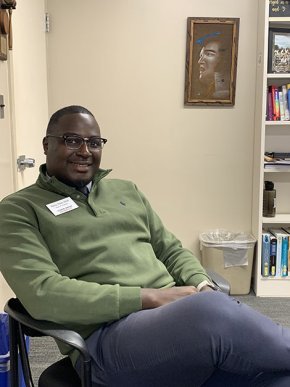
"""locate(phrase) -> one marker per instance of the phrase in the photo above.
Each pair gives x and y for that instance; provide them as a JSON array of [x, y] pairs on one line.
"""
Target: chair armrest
[[220, 281], [46, 328]]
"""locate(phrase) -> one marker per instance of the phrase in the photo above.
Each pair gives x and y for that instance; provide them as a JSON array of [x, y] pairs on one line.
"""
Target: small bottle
[[269, 200]]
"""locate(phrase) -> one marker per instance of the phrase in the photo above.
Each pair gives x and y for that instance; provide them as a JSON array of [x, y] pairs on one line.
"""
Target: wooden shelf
[[275, 278], [278, 75], [277, 123], [273, 287], [279, 20], [282, 22], [279, 218], [277, 170]]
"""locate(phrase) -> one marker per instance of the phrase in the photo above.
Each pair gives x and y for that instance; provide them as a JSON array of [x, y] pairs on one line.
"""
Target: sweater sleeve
[[27, 266], [183, 266]]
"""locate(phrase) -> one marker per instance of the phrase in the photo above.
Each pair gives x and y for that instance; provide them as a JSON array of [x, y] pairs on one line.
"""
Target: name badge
[[62, 206]]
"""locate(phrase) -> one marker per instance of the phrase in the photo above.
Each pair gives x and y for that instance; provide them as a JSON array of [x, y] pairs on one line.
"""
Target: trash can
[[5, 354], [230, 255]]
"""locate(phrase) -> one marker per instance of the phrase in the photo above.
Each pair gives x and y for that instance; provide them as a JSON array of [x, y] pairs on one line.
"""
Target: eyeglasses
[[76, 142]]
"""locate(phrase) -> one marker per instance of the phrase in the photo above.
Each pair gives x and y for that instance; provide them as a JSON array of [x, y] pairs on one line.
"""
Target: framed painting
[[211, 61], [279, 50], [3, 47], [4, 29]]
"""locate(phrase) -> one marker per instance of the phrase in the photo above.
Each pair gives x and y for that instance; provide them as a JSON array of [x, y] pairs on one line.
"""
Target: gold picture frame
[[4, 29], [211, 61], [3, 47]]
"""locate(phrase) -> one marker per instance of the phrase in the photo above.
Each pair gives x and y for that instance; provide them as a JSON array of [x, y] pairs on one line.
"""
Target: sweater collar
[[53, 184]]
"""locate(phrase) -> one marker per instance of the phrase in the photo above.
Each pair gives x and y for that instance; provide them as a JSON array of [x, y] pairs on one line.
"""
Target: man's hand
[[153, 298]]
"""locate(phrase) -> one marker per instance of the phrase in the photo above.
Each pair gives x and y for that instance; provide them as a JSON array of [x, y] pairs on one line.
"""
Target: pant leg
[[272, 379], [225, 379], [185, 342], [269, 379]]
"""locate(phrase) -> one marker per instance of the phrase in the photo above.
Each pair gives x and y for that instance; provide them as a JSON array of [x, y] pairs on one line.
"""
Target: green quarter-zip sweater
[[82, 262]]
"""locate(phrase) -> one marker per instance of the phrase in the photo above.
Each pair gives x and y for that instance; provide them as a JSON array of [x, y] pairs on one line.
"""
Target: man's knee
[[214, 309]]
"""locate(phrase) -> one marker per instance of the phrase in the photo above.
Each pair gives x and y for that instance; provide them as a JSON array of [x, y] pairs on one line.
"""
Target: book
[[273, 89], [273, 252], [285, 101], [288, 95], [278, 236], [287, 229], [285, 256], [282, 251], [281, 104], [265, 261], [277, 104], [269, 106]]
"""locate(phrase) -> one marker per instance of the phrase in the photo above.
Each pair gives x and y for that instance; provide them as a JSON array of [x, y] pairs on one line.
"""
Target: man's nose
[[84, 149], [201, 59]]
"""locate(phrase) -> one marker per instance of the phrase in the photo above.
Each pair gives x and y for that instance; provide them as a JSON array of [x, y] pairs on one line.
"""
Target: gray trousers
[[206, 339]]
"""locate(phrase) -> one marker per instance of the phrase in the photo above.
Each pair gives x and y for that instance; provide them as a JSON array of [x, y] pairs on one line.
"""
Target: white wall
[[125, 60]]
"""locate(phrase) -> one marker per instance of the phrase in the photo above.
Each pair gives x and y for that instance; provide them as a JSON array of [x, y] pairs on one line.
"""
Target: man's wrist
[[205, 283]]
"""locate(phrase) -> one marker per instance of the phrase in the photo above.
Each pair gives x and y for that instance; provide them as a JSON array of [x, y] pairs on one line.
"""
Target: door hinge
[[47, 22], [24, 162], [2, 106]]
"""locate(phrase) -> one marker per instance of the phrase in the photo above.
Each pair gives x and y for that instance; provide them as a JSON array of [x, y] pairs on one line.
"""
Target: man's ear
[[45, 145]]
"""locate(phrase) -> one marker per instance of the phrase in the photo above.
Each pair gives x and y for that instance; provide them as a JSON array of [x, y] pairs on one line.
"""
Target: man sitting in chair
[[102, 263]]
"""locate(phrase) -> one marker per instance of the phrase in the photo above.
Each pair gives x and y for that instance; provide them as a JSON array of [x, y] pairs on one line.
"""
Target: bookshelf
[[270, 136]]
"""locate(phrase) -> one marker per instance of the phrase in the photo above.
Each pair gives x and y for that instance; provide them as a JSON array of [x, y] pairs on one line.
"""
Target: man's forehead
[[78, 120], [75, 117], [211, 46], [78, 123]]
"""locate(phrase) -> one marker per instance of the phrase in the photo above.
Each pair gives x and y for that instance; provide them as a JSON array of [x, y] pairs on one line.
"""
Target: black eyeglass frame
[[85, 140]]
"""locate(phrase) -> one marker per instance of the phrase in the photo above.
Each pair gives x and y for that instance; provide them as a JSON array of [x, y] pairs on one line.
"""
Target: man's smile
[[81, 166]]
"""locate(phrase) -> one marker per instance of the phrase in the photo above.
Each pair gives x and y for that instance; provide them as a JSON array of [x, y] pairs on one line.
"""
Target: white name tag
[[62, 206]]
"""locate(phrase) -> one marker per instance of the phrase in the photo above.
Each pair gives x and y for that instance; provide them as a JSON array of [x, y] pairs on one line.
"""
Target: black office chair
[[221, 283], [61, 373]]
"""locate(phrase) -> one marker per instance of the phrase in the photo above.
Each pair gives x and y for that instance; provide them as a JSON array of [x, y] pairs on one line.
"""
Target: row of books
[[278, 103], [275, 252]]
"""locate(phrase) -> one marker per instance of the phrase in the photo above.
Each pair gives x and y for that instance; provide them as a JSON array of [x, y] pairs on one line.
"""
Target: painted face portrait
[[213, 67], [209, 59]]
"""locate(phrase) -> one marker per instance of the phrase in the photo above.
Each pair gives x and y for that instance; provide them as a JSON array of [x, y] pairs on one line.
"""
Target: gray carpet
[[43, 351], [278, 309]]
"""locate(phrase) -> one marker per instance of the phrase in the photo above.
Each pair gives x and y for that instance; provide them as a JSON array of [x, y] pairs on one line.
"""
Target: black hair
[[73, 109]]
